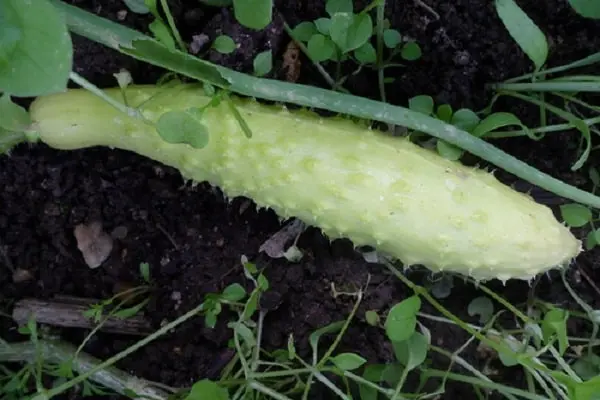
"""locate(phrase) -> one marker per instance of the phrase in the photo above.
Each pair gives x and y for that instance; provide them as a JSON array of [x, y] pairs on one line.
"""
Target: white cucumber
[[342, 177]]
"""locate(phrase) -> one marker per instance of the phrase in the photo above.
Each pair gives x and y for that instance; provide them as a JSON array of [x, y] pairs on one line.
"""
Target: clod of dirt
[[198, 42], [120, 232], [95, 244]]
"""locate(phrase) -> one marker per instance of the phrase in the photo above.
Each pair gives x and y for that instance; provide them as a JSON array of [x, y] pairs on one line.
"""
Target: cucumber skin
[[340, 176]]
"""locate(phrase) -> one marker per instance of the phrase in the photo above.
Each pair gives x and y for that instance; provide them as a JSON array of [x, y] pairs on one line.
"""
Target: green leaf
[[555, 323], [534, 329], [359, 31], [412, 352], [349, 31], [316, 335], [597, 235], [320, 48], [444, 112], [137, 6], [251, 305], [591, 239], [13, 117], [162, 33], [210, 319], [509, 358], [322, 25], [145, 271], [224, 44], [411, 51], [152, 8], [402, 319], [586, 8], [263, 63], [391, 38], [448, 150], [481, 306], [234, 292], [256, 14], [304, 31], [372, 318], [339, 6], [465, 119], [422, 104], [36, 53], [129, 312], [348, 361], [291, 347], [371, 373], [366, 54], [575, 215], [207, 389], [339, 29], [524, 31], [442, 288], [588, 366], [181, 127], [64, 369], [245, 333], [588, 390], [495, 121], [158, 54], [263, 282]]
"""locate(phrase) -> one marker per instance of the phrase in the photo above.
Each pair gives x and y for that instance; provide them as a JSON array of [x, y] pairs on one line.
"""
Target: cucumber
[[341, 176]]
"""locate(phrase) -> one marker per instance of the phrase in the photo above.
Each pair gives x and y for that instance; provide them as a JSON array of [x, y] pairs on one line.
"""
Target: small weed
[[464, 119], [345, 35]]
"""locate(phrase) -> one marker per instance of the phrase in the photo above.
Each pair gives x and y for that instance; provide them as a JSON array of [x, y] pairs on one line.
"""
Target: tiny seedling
[[464, 119], [344, 35]]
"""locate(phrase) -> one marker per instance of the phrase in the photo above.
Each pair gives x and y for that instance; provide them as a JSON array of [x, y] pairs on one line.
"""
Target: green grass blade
[[116, 36], [550, 86], [583, 62]]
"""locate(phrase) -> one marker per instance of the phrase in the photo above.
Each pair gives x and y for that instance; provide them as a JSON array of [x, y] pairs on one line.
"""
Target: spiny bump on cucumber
[[337, 174]]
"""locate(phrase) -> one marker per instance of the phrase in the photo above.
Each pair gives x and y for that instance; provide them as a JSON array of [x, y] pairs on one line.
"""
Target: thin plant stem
[[108, 376], [172, 25], [380, 70], [268, 391], [545, 129], [112, 360], [549, 87], [256, 354], [320, 377], [485, 384], [505, 303], [582, 62], [84, 83]]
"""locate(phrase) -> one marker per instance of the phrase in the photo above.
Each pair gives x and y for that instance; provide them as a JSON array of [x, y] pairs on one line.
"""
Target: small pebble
[[21, 275]]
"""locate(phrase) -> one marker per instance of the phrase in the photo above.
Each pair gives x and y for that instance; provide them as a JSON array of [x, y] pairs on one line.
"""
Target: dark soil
[[193, 239]]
